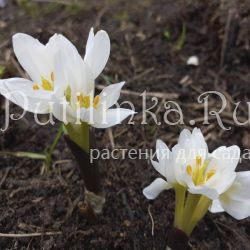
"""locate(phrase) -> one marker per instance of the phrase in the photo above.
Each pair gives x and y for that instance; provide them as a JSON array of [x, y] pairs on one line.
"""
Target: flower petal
[[110, 95], [59, 42], [204, 190], [216, 207], [90, 41], [162, 151], [184, 135], [97, 52], [158, 167], [236, 200], [33, 56], [20, 92], [228, 157], [239, 209], [155, 188], [63, 113], [110, 117]]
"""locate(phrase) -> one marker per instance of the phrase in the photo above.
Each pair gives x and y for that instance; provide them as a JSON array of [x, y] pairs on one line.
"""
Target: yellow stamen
[[35, 86], [198, 174], [52, 77], [189, 170], [96, 101], [80, 99], [86, 102], [83, 101], [198, 161], [67, 94], [47, 85], [210, 174]]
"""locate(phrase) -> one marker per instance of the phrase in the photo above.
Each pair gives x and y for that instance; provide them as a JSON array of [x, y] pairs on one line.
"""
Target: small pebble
[[193, 60]]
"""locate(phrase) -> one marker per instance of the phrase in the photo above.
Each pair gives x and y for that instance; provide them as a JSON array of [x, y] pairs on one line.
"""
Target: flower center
[[85, 102], [198, 173], [47, 85]]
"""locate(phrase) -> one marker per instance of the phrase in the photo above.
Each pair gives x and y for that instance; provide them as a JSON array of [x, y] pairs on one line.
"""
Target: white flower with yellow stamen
[[199, 179], [190, 165], [59, 75]]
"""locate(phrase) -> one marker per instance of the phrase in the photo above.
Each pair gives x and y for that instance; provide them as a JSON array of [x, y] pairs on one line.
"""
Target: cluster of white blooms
[[62, 82]]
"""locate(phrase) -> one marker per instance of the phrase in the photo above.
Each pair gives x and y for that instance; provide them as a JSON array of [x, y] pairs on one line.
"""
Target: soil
[[149, 51]]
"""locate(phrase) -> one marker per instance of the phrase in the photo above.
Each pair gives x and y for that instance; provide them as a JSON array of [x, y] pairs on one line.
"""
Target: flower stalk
[[80, 140]]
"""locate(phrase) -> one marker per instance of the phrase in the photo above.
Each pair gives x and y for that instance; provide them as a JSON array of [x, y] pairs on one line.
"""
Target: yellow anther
[[67, 94], [198, 161], [83, 101], [96, 101], [198, 174], [52, 77], [189, 170], [86, 102], [210, 174], [35, 86], [80, 99], [47, 85]]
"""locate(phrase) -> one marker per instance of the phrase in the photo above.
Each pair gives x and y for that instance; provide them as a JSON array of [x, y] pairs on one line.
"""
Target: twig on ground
[[111, 138], [152, 220], [10, 235], [5, 176]]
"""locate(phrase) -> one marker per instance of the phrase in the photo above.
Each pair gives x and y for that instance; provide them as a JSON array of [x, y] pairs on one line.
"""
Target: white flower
[[62, 82], [201, 180], [190, 165], [236, 200]]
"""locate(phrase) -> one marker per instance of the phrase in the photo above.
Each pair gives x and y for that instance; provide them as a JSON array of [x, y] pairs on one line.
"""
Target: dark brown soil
[[148, 60]]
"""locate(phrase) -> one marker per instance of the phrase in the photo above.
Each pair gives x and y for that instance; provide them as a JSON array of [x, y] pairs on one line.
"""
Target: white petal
[[154, 189], [163, 154], [90, 41], [59, 42], [20, 92], [70, 64], [158, 168], [61, 75], [110, 95], [228, 157], [97, 52], [64, 115], [178, 164], [192, 146], [33, 56], [204, 190], [241, 186], [239, 209], [223, 161], [236, 200], [216, 207], [199, 143], [162, 151], [184, 135], [111, 117]]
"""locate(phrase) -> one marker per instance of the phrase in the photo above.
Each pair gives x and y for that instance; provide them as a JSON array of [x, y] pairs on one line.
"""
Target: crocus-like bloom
[[189, 164], [190, 167], [62, 82]]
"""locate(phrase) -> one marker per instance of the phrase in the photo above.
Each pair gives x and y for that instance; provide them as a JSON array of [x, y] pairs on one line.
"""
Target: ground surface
[[149, 51]]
